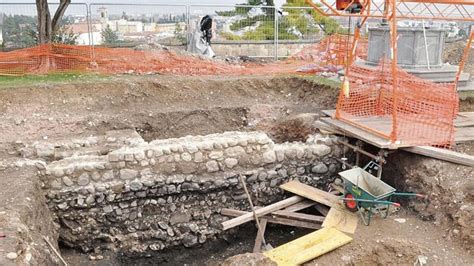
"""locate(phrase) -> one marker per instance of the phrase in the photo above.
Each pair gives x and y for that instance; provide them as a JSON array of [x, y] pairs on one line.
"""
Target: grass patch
[[57, 78], [331, 83]]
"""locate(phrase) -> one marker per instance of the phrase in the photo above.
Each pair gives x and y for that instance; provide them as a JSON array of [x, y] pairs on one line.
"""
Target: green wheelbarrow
[[369, 195]]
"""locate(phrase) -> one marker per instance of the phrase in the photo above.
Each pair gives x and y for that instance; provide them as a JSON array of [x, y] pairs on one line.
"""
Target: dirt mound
[[453, 54], [294, 128], [395, 252], [449, 187]]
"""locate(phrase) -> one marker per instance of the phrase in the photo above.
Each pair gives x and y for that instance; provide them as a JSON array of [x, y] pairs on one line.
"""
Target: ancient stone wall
[[145, 197]]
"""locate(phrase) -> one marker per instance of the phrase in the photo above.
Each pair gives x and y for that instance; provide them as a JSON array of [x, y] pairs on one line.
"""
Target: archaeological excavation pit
[[136, 169], [138, 166]]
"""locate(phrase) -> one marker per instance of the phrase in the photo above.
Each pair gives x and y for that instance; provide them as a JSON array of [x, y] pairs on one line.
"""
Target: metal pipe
[[378, 158], [345, 163], [426, 46]]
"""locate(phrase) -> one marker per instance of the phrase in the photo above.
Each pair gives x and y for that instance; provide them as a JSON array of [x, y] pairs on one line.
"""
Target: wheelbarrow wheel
[[350, 202]]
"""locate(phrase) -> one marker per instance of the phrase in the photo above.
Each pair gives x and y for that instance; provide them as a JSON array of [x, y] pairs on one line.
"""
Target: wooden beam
[[275, 220], [464, 129], [443, 154], [259, 239], [300, 206], [260, 212], [330, 113], [323, 127], [311, 193], [359, 133], [338, 188], [464, 134], [299, 216], [322, 209]]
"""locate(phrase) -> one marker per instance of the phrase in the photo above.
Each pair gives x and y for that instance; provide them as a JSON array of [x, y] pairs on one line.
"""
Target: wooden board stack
[[331, 226]]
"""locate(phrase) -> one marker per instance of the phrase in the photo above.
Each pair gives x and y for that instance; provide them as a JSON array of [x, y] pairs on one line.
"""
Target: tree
[[179, 33], [19, 31], [109, 36], [296, 23], [47, 26]]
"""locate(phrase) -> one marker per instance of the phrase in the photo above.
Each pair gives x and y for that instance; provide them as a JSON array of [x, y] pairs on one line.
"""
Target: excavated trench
[[142, 166], [134, 170]]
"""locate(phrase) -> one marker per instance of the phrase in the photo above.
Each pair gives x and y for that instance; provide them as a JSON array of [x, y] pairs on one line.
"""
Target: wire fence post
[[91, 32], [188, 26], [275, 35]]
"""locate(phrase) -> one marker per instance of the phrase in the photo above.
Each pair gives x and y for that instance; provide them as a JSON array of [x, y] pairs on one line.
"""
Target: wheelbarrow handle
[[408, 194], [373, 201]]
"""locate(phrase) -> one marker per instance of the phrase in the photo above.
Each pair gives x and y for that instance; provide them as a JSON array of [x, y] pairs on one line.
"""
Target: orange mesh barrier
[[66, 58], [332, 50], [418, 112]]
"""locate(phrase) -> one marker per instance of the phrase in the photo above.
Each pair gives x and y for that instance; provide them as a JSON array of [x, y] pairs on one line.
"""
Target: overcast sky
[[177, 2], [224, 2]]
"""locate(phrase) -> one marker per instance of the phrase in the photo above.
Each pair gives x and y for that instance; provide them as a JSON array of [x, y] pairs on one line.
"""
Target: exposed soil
[[164, 107], [453, 54], [450, 188], [467, 105], [157, 106], [388, 242], [24, 218]]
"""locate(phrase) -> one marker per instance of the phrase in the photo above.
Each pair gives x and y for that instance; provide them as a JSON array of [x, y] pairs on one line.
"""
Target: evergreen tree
[[19, 31], [109, 36], [297, 23], [179, 33]]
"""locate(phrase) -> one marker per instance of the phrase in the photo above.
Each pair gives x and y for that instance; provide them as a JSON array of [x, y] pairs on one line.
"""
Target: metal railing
[[254, 31]]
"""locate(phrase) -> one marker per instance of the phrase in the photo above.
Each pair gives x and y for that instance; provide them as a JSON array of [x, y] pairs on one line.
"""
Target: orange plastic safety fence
[[66, 58], [332, 50], [417, 112], [53, 58]]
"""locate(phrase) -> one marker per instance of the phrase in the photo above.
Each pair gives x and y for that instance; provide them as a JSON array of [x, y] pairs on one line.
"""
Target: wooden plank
[[308, 247], [300, 206], [360, 134], [324, 210], [275, 220], [330, 113], [464, 134], [338, 188], [298, 216], [442, 154], [341, 220], [311, 193], [260, 212], [464, 119], [259, 239], [323, 127]]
